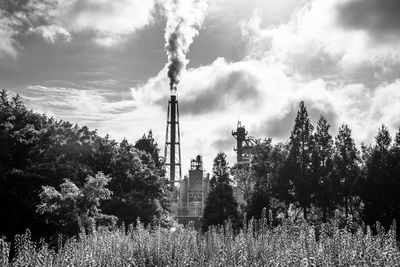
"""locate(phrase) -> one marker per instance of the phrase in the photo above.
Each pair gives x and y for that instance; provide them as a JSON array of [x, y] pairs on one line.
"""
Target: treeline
[[314, 175], [56, 177]]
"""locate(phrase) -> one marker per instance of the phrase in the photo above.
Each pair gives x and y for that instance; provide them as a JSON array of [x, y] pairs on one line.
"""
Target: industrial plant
[[190, 193]]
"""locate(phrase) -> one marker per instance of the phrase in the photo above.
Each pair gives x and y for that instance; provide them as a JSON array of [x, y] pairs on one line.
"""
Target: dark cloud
[[12, 6], [280, 127], [237, 86], [380, 18]]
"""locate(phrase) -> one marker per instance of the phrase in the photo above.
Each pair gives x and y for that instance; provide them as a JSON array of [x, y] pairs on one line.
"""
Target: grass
[[255, 245]]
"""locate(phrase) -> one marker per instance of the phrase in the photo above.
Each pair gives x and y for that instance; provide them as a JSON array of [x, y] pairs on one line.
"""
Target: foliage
[[73, 207], [265, 165], [346, 169], [322, 170], [257, 244], [244, 182], [149, 145], [39, 151], [220, 203], [300, 159], [380, 187]]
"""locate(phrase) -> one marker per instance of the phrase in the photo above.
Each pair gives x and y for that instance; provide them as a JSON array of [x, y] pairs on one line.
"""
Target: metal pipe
[[173, 140]]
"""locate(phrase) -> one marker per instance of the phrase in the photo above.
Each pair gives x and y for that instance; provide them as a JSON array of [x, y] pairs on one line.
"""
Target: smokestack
[[184, 18], [172, 153]]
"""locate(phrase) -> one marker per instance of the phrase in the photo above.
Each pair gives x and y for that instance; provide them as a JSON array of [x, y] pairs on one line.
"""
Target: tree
[[284, 188], [346, 167], [244, 181], [139, 190], [72, 206], [149, 145], [299, 159], [380, 188], [220, 203], [39, 151], [265, 164], [322, 167]]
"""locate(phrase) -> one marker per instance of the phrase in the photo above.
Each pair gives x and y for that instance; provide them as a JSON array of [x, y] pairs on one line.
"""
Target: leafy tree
[[299, 159], [139, 190], [39, 151], [72, 206], [220, 203], [265, 164], [149, 145], [244, 181]]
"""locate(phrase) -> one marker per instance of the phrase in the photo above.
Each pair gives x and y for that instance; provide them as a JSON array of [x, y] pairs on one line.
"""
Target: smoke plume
[[184, 18]]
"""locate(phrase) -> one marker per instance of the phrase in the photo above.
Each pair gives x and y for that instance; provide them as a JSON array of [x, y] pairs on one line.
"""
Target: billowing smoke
[[184, 18]]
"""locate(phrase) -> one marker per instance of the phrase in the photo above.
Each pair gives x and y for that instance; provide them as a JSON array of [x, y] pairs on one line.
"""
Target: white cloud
[[312, 34], [7, 41], [110, 22]]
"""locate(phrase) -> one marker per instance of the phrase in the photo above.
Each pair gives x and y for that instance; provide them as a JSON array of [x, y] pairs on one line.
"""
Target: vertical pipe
[[173, 140]]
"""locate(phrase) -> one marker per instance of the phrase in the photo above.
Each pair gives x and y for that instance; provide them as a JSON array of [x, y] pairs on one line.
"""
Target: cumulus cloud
[[109, 22], [314, 43], [318, 55], [112, 21]]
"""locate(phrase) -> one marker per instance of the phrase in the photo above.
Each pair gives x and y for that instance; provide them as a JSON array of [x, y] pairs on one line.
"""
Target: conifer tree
[[379, 190], [346, 167], [220, 203], [299, 159], [322, 166]]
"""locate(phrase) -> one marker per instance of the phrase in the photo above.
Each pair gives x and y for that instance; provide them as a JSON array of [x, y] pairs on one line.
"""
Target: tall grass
[[256, 244]]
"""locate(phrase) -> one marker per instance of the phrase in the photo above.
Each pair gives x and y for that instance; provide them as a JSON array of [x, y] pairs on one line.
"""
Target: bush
[[257, 244]]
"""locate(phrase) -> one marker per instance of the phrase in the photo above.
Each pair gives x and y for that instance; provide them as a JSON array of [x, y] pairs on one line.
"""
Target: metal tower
[[172, 152], [244, 144]]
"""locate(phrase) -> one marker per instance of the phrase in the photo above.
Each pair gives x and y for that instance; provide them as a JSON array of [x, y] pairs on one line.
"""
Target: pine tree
[[220, 203], [380, 186], [322, 166], [346, 165], [299, 160]]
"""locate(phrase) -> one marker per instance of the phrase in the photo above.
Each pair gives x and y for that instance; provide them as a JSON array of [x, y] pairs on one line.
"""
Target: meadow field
[[257, 244]]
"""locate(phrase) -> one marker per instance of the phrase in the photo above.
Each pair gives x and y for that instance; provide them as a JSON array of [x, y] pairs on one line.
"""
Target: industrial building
[[190, 193]]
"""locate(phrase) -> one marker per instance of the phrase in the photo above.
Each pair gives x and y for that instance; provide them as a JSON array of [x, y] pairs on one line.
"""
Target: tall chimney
[[172, 153]]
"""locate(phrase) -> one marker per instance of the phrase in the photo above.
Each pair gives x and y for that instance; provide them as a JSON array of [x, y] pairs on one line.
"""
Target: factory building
[[192, 193]]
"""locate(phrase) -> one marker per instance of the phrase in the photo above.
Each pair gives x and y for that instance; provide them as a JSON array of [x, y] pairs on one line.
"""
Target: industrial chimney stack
[[172, 153]]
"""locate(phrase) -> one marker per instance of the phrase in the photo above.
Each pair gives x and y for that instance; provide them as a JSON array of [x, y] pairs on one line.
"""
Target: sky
[[103, 64]]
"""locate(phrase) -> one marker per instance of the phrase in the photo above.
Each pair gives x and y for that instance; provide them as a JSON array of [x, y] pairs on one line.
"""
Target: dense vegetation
[[55, 176], [314, 175], [257, 244]]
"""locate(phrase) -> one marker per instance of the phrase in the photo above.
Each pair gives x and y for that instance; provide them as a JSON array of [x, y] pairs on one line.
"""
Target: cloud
[[109, 22], [314, 43], [218, 86], [380, 18], [112, 21]]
